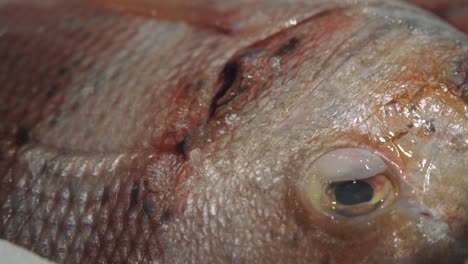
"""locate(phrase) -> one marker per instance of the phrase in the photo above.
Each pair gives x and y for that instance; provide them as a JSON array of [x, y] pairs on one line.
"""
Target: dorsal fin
[[206, 13]]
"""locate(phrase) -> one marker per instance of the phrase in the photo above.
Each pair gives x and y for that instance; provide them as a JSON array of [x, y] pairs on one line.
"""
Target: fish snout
[[437, 197], [449, 206]]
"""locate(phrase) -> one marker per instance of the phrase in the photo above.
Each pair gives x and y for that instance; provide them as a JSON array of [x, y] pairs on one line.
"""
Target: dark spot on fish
[[431, 128], [399, 135], [426, 214], [287, 48], [148, 208], [51, 91], [166, 216], [62, 71], [74, 106], [410, 125], [228, 77], [325, 259], [145, 184], [105, 195], [22, 136], [199, 84], [295, 240], [134, 194], [181, 147]]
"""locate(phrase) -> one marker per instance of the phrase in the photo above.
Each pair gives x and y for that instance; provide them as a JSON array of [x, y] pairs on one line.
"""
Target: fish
[[233, 132]]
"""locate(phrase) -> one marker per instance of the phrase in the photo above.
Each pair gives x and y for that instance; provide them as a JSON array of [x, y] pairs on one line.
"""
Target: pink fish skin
[[152, 139]]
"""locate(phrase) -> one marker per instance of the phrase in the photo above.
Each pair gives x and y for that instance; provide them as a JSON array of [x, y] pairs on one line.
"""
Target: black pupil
[[353, 192]]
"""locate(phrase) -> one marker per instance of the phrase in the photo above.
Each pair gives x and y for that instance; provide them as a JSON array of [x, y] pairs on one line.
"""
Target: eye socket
[[350, 182]]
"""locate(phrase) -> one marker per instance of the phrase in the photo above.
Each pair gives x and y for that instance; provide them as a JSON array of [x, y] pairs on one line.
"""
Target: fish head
[[339, 136], [337, 141]]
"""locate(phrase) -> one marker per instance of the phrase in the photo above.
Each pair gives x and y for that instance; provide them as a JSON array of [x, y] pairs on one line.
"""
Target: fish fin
[[207, 13]]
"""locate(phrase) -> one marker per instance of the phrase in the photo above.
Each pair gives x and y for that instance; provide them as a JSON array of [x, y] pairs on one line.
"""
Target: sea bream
[[233, 132]]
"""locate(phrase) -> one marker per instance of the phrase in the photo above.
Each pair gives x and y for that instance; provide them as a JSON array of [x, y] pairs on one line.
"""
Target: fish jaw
[[392, 91]]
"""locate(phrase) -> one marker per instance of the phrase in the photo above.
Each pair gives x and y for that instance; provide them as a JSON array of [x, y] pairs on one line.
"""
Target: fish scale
[[65, 210], [97, 49]]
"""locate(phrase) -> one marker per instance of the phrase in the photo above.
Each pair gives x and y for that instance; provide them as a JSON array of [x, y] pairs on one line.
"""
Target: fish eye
[[350, 182]]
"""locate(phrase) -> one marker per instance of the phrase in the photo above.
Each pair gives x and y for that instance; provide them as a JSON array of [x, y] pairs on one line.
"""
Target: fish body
[[129, 139]]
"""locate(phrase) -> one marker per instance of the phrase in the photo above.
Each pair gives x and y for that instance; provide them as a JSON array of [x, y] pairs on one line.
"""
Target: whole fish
[[233, 132]]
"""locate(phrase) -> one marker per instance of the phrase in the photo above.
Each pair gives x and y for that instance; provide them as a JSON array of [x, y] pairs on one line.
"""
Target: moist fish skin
[[131, 139]]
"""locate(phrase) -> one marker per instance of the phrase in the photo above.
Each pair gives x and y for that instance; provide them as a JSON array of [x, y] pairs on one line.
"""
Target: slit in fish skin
[[228, 77], [134, 194]]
